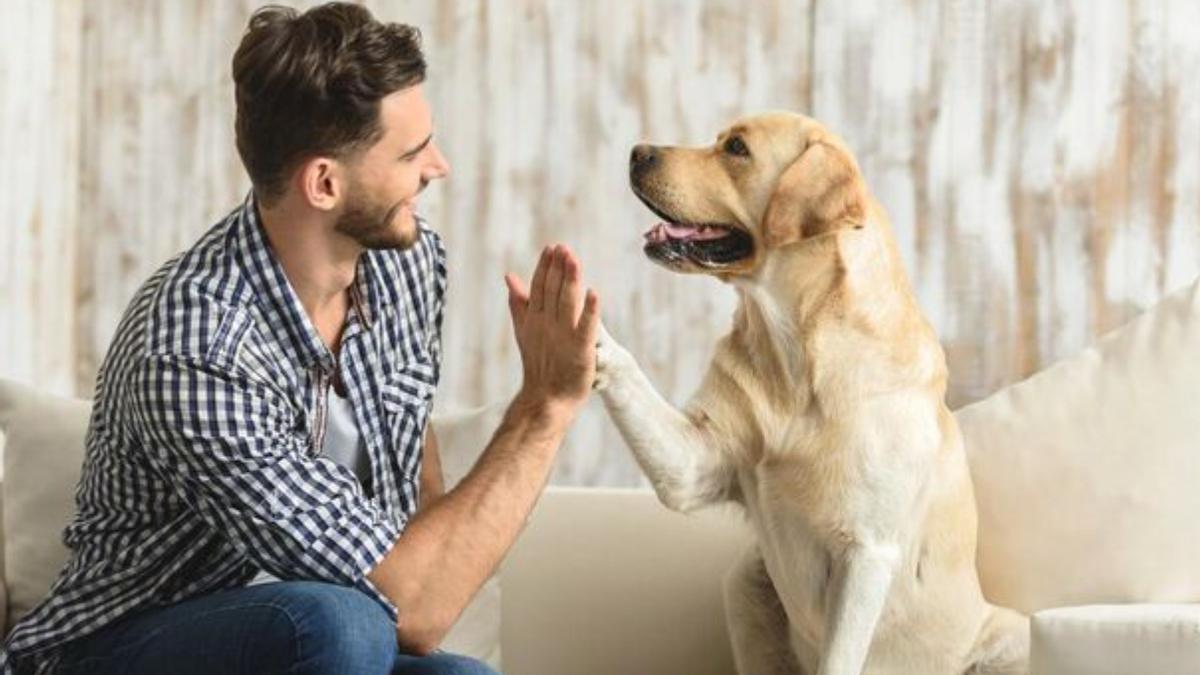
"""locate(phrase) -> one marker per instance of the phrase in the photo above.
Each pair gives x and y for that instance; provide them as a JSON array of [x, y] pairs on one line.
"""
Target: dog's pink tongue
[[680, 231], [664, 231]]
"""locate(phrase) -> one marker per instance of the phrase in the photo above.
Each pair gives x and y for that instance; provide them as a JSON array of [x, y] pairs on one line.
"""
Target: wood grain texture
[[39, 189], [1040, 160], [158, 162]]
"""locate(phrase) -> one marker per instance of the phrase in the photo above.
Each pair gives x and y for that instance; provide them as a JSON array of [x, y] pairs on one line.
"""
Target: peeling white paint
[[991, 132]]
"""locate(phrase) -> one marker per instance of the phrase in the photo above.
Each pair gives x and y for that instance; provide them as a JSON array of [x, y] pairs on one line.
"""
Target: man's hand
[[555, 327]]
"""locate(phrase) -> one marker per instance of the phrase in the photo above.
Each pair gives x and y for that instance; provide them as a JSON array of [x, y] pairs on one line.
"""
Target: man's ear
[[321, 181], [821, 191]]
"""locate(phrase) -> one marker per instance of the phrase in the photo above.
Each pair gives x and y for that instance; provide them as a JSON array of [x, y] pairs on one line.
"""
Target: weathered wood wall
[[1041, 161], [40, 119]]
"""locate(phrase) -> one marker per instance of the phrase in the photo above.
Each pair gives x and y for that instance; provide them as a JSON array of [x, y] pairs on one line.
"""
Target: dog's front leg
[[685, 469], [862, 577]]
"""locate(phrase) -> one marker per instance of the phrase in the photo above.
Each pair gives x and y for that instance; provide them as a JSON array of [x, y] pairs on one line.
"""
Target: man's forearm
[[449, 549]]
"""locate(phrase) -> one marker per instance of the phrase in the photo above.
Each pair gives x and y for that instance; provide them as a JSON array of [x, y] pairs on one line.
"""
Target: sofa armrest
[[1116, 640], [609, 581]]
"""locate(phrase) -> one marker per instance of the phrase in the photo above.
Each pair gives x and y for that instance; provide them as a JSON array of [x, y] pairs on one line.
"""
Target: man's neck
[[319, 263]]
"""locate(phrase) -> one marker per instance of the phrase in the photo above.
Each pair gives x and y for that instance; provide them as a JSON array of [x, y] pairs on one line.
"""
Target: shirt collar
[[284, 312]]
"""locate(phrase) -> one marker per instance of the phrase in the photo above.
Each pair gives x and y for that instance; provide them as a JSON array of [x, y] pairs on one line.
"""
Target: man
[[260, 493]]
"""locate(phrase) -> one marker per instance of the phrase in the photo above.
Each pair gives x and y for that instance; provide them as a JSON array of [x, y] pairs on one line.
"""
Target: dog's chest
[[807, 508], [819, 478]]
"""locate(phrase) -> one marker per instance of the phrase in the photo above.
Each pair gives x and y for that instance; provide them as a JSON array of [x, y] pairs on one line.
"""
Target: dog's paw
[[611, 360]]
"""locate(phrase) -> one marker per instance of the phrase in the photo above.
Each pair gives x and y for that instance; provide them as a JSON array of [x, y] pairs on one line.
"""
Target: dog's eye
[[734, 145]]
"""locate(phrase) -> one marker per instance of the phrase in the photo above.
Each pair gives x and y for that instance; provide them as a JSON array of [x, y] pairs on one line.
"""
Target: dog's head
[[768, 182]]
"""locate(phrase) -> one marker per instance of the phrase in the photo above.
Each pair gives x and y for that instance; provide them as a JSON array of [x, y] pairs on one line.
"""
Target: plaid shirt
[[202, 465]]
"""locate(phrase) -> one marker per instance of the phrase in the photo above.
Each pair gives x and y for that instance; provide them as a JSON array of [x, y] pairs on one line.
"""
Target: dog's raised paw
[[603, 367], [610, 358]]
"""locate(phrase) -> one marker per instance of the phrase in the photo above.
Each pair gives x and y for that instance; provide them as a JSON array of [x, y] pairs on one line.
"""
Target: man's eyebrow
[[417, 150]]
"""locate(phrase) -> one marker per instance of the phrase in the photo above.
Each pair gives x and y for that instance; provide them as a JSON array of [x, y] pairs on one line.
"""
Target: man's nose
[[643, 158], [439, 167]]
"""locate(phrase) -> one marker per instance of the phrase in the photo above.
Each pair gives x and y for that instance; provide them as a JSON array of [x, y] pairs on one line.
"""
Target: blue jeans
[[294, 627]]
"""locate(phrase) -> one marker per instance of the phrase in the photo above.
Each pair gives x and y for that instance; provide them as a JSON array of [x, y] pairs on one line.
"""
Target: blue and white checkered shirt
[[202, 465]]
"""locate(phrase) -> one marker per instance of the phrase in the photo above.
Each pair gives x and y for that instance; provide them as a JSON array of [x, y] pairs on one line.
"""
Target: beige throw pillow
[[43, 454], [1087, 474]]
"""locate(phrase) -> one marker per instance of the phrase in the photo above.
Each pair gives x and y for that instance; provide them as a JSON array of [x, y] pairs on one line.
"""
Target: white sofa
[[1086, 477]]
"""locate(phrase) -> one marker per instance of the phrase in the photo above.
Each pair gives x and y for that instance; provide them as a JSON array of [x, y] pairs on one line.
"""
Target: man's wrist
[[542, 409]]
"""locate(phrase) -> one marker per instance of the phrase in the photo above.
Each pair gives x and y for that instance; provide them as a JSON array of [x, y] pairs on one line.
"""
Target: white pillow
[[42, 457], [1087, 475], [1116, 640], [462, 436], [42, 441]]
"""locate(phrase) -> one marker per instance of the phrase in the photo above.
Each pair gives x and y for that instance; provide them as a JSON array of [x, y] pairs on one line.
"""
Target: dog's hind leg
[[758, 625], [1003, 645]]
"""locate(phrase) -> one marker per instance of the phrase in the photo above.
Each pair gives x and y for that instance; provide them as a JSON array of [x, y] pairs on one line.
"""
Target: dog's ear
[[821, 191]]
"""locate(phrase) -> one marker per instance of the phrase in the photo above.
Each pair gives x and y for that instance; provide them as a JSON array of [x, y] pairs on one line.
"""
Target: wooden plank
[[1181, 97], [159, 163], [39, 102]]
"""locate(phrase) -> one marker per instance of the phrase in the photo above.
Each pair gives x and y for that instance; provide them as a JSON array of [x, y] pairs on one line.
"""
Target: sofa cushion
[[42, 456], [42, 442], [1086, 473], [1116, 640], [609, 581]]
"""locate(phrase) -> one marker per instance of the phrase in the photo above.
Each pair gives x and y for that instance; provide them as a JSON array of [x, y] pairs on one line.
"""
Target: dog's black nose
[[642, 159]]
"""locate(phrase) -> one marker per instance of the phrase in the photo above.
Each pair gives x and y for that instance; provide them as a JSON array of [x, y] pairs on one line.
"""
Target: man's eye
[[734, 145]]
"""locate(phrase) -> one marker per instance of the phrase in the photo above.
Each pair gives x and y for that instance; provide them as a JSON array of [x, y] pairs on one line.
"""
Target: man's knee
[[338, 630]]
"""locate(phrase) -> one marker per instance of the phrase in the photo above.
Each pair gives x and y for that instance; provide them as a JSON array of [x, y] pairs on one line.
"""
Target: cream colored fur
[[823, 415]]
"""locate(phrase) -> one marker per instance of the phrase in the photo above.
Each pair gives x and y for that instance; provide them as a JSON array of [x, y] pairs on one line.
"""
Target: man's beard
[[370, 223]]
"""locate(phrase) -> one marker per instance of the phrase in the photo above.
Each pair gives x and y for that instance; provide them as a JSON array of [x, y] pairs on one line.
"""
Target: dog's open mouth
[[711, 245]]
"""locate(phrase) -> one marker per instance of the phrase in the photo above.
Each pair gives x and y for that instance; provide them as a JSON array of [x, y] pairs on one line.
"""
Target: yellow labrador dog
[[822, 414]]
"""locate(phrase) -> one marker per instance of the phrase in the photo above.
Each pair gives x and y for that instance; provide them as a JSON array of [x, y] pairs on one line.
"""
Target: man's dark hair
[[310, 84]]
